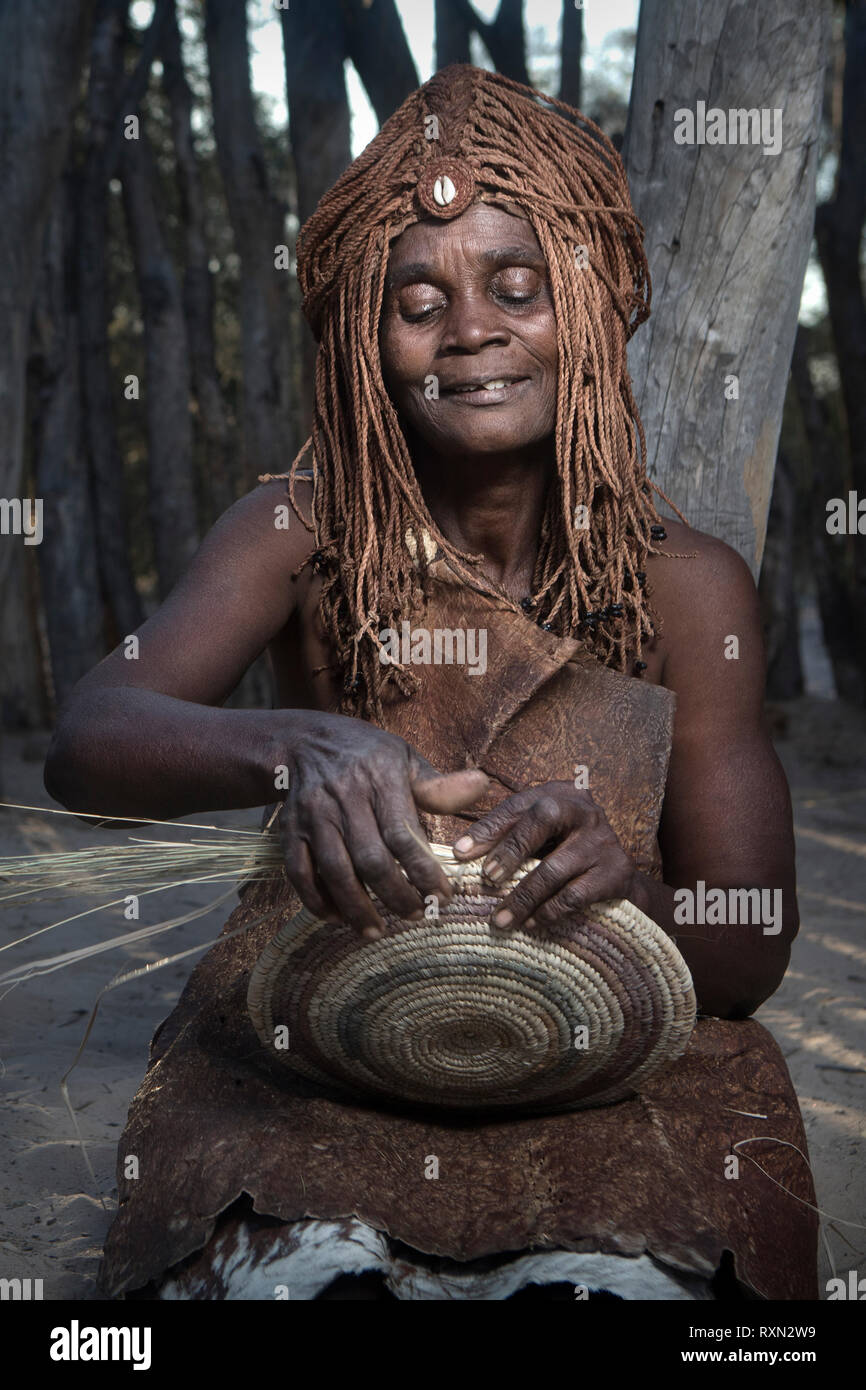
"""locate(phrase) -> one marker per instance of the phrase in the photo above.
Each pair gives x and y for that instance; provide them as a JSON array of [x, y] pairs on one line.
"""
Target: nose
[[473, 323]]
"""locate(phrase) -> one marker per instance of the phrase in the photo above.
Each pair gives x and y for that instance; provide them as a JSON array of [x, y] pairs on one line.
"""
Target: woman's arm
[[145, 735]]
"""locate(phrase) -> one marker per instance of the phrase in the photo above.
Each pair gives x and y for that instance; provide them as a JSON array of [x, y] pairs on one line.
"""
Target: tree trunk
[[376, 44], [68, 571], [171, 493], [833, 557], [778, 593], [259, 228], [314, 47], [504, 37], [24, 702], [728, 231], [452, 35], [839, 232], [218, 472], [99, 392], [42, 46], [571, 49]]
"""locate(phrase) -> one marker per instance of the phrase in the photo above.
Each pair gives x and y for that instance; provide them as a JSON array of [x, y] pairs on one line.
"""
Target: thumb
[[447, 792]]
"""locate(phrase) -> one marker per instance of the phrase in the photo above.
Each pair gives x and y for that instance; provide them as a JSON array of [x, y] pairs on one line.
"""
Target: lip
[[479, 396]]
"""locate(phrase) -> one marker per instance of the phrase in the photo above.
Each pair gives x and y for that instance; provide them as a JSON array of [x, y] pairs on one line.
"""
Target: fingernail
[[416, 916], [504, 918], [464, 844], [530, 922], [372, 933], [494, 870]]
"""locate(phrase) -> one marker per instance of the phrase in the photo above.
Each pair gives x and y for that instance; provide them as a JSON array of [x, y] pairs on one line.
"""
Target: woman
[[476, 462]]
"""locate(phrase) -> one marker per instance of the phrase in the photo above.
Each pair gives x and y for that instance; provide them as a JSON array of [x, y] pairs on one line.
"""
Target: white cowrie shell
[[444, 191]]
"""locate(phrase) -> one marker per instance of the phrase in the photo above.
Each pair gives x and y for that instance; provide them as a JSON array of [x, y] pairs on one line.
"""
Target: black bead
[[658, 533], [527, 604], [641, 577], [547, 627], [350, 686], [614, 610], [639, 666]]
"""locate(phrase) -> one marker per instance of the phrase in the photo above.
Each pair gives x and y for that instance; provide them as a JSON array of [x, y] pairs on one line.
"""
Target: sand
[[52, 1218]]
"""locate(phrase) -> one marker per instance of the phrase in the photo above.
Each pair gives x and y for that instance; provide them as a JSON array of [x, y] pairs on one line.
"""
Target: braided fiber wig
[[495, 140]]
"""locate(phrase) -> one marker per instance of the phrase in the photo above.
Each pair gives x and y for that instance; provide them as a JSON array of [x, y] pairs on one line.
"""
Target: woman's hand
[[349, 819], [588, 864]]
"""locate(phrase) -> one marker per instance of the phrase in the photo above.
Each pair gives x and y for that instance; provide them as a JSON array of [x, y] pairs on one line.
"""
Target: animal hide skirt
[[257, 1183]]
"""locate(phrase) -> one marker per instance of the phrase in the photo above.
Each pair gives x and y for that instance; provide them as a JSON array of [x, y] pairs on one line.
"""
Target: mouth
[[489, 391]]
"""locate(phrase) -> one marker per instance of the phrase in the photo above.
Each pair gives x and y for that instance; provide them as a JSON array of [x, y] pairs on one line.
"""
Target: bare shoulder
[[267, 523], [707, 602]]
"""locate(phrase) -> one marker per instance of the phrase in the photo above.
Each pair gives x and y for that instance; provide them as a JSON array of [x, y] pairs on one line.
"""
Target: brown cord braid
[[545, 160]]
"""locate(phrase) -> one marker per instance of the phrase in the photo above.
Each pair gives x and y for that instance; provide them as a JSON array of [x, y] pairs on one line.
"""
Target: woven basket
[[456, 1013]]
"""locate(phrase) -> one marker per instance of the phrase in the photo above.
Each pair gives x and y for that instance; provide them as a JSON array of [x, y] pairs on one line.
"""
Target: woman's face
[[468, 303]]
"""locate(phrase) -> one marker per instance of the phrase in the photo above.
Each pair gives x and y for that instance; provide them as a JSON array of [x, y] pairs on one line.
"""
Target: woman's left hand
[[588, 864]]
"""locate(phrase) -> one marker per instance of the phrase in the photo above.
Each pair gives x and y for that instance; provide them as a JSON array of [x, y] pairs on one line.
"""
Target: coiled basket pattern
[[454, 1012]]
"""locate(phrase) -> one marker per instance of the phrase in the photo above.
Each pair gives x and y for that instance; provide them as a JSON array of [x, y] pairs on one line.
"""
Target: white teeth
[[486, 386]]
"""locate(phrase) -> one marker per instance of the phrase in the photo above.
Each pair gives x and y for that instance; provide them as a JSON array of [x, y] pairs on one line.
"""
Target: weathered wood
[[42, 48], [314, 48], [68, 571], [504, 36], [166, 385], [100, 392], [258, 224], [571, 53], [377, 46], [218, 470], [839, 226], [451, 35], [728, 230]]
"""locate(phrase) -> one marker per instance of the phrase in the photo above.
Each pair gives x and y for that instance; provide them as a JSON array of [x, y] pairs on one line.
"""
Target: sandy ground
[[53, 1220]]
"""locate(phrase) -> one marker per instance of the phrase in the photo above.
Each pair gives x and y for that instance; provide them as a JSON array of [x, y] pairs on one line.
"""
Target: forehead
[[481, 228]]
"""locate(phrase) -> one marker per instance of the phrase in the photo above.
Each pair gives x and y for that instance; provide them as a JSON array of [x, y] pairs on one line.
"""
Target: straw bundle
[[456, 1013]]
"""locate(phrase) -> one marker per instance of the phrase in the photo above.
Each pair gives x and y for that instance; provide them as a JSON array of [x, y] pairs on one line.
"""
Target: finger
[[402, 833], [302, 876], [594, 886], [515, 831], [525, 840], [542, 883], [446, 792], [375, 864], [334, 867]]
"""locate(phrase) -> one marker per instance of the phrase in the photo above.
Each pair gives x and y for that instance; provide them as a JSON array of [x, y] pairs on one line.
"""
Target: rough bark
[[377, 46], [166, 386], [218, 471], [258, 225], [728, 230], [68, 570], [571, 50], [42, 46]]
